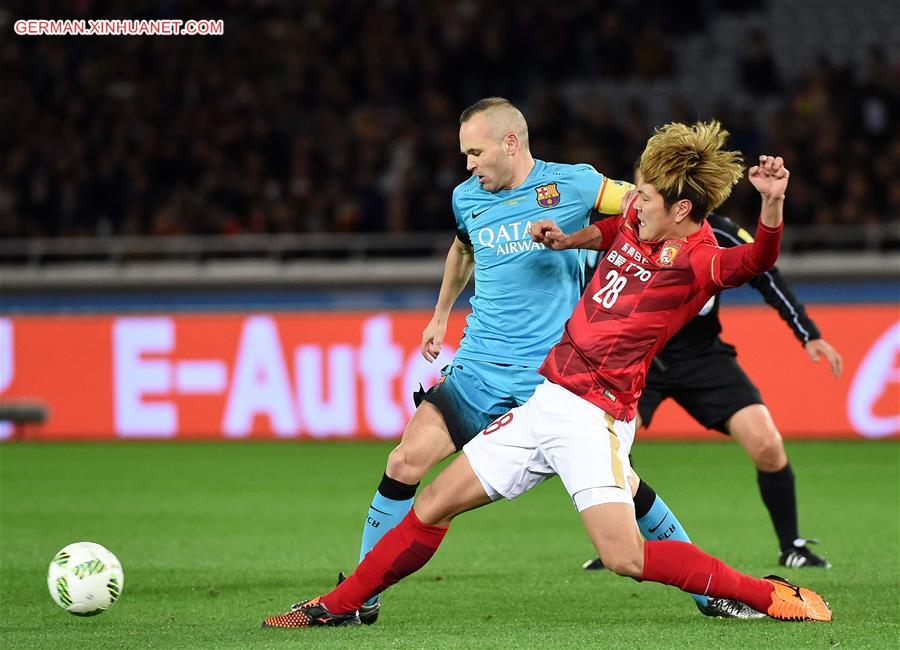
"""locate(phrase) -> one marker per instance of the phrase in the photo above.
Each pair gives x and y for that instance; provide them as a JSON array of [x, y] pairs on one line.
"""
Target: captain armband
[[610, 194]]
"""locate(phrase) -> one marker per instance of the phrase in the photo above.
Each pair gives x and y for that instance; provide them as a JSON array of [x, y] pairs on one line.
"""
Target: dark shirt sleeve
[[461, 232], [774, 288], [463, 235]]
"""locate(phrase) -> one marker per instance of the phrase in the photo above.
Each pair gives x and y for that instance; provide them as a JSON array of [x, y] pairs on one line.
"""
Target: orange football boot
[[792, 603]]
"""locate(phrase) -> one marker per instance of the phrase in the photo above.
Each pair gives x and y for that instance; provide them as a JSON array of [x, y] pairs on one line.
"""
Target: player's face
[[655, 221], [486, 154]]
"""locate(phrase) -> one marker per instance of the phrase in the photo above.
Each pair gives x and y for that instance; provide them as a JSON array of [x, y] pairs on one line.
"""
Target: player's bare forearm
[[457, 271], [772, 214], [589, 238], [549, 234]]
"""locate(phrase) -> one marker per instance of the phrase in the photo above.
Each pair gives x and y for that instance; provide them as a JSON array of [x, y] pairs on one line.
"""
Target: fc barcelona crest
[[547, 195], [669, 252]]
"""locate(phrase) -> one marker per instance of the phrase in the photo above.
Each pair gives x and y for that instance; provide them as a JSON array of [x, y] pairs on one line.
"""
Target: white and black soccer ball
[[85, 578]]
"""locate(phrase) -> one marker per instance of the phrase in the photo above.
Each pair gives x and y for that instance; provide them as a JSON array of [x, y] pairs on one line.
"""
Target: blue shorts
[[472, 394]]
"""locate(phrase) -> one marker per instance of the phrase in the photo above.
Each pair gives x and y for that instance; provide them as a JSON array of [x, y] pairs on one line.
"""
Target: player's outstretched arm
[[770, 178], [735, 266], [546, 232], [457, 271]]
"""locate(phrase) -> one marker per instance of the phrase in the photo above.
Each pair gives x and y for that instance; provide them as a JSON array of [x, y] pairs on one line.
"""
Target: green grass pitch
[[213, 537]]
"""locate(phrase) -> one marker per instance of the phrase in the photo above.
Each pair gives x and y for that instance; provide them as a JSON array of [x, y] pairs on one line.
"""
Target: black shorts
[[710, 386]]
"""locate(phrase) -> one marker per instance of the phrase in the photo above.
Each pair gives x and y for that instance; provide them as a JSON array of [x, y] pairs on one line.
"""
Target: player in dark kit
[[701, 373]]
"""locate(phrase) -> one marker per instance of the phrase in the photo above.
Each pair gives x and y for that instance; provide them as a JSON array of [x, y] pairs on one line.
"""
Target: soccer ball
[[85, 578]]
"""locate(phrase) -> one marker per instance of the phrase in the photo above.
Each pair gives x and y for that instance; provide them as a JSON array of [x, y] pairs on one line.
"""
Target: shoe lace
[[304, 603]]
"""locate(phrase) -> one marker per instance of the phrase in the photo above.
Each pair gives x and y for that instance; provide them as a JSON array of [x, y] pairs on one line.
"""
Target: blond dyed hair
[[683, 161]]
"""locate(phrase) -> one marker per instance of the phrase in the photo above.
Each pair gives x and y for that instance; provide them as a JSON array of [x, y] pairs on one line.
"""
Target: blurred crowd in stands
[[342, 115]]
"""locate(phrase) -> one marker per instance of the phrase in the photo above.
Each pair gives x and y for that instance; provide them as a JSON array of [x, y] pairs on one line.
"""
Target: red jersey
[[640, 296]]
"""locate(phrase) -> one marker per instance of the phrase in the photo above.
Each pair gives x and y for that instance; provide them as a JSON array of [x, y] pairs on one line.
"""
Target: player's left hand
[[770, 177], [821, 347], [546, 232]]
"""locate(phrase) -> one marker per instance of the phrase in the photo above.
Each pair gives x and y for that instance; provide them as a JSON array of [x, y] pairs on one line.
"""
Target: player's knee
[[624, 556], [768, 450], [624, 563], [402, 466]]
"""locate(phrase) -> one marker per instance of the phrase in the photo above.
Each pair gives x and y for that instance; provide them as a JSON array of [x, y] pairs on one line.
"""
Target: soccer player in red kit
[[662, 265]]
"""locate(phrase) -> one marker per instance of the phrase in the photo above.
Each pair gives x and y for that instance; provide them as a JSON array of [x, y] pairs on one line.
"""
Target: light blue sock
[[660, 523], [383, 515]]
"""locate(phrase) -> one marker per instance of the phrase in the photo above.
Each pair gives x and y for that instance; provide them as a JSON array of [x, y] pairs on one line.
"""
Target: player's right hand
[[770, 177], [546, 232], [433, 338]]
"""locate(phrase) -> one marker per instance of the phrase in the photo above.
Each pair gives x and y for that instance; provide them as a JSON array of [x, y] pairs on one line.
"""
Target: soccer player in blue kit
[[523, 296]]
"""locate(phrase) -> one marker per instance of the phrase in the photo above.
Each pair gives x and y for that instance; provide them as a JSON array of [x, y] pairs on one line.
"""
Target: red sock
[[403, 550], [685, 566]]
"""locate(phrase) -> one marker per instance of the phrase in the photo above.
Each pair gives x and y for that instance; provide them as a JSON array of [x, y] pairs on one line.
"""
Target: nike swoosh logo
[[665, 516], [381, 511], [475, 215]]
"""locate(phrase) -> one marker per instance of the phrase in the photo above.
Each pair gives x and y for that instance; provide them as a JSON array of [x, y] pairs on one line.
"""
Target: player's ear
[[512, 143], [682, 210]]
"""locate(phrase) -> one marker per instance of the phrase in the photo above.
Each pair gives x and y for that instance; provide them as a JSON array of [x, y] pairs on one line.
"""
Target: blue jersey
[[524, 293]]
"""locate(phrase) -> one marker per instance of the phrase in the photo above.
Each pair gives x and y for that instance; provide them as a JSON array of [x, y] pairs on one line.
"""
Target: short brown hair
[[484, 104], [684, 161], [505, 117]]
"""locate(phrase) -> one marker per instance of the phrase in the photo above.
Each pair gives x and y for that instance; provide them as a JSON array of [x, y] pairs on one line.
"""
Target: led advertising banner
[[313, 375]]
